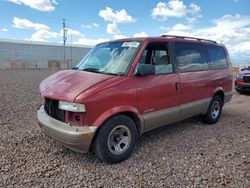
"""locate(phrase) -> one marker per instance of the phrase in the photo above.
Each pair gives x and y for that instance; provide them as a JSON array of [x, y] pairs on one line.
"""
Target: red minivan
[[126, 87]]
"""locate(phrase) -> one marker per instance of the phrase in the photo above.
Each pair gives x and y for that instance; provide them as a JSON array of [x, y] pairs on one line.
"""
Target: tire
[[240, 92], [214, 110], [116, 139]]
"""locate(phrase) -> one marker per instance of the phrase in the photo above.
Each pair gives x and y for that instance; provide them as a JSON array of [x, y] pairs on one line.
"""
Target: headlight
[[71, 106], [240, 76]]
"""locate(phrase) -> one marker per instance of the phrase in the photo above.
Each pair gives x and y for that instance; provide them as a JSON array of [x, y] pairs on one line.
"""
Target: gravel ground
[[185, 154]]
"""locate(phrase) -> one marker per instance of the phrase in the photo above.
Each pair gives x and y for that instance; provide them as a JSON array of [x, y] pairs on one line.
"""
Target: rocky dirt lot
[[186, 154]]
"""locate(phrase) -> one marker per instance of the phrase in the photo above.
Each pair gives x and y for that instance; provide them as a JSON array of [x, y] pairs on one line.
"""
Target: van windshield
[[110, 58]]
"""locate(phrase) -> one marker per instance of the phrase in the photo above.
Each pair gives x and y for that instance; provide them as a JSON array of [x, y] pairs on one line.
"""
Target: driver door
[[158, 97]]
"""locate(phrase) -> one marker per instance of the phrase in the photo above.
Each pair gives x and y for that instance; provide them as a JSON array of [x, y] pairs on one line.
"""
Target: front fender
[[116, 110]]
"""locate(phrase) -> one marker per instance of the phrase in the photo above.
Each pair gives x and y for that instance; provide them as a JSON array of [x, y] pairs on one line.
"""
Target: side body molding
[[175, 114], [160, 118]]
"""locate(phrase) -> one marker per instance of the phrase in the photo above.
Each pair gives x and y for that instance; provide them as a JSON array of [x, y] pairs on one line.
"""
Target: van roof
[[173, 38], [189, 38]]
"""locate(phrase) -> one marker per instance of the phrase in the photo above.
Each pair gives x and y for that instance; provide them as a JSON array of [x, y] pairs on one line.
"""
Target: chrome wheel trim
[[215, 110], [119, 139]]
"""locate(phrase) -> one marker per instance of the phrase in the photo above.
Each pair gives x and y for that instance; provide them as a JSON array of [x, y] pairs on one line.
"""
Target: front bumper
[[76, 138], [242, 87]]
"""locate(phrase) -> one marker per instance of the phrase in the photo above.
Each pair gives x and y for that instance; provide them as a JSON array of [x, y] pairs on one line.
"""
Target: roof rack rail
[[184, 37]]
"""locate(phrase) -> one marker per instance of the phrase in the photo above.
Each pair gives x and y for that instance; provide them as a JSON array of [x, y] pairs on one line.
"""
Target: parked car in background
[[126, 87], [242, 82], [245, 68]]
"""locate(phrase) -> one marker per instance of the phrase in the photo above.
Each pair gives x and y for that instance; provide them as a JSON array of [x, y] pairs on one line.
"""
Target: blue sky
[[91, 22]]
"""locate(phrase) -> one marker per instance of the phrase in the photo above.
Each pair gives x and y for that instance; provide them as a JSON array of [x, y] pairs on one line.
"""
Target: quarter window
[[217, 57], [191, 57]]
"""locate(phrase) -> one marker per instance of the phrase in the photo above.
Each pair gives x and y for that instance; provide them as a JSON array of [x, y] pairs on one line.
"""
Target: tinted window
[[157, 55], [217, 57], [191, 57]]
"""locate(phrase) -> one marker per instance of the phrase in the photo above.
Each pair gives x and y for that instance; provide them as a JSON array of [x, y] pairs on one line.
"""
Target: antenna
[[64, 38]]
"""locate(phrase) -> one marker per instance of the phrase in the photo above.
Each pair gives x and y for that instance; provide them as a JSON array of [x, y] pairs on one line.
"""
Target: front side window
[[157, 54], [217, 57], [191, 57], [110, 57]]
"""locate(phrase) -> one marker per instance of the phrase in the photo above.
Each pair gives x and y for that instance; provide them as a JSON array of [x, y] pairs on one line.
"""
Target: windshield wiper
[[115, 74], [102, 72], [91, 70]]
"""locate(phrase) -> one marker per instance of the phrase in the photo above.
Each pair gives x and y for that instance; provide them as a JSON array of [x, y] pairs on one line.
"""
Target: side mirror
[[144, 69]]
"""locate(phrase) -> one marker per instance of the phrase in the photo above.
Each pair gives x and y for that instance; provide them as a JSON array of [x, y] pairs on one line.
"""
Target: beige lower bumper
[[75, 138], [228, 96]]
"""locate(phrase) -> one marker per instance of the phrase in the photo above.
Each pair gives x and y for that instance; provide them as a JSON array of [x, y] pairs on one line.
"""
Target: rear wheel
[[116, 139], [214, 110]]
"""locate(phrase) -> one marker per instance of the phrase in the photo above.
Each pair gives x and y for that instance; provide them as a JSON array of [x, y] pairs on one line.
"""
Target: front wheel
[[116, 139], [214, 110]]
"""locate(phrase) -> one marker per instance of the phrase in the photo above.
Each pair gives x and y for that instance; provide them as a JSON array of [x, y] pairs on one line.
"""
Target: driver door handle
[[177, 86]]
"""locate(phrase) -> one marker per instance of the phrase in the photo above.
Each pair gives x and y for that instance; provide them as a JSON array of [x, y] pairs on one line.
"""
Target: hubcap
[[215, 110], [119, 140]]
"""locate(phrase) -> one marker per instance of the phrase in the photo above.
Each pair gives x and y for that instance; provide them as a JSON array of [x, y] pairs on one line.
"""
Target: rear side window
[[191, 57], [217, 57]]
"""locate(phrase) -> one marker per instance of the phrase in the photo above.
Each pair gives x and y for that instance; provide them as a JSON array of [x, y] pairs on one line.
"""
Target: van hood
[[67, 85]]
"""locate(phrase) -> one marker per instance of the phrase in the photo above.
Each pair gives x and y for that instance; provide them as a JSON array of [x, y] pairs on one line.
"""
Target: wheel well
[[221, 94], [131, 115], [136, 120]]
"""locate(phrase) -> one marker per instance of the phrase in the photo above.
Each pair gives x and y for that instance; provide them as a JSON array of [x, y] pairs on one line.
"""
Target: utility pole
[[64, 38], [71, 52]]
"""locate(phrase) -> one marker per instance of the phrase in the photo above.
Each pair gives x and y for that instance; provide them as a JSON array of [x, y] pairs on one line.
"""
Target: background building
[[32, 55]]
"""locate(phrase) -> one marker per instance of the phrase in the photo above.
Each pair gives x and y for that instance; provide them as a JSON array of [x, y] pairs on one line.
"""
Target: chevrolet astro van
[[126, 87]]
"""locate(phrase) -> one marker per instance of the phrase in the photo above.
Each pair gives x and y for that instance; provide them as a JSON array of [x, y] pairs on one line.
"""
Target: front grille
[[51, 107], [246, 79]]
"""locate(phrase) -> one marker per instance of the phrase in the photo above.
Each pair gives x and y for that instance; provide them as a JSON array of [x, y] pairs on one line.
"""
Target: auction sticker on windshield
[[131, 44]]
